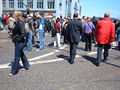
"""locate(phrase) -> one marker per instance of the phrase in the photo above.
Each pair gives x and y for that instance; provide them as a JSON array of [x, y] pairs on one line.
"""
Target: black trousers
[[119, 45], [88, 41], [73, 48], [33, 40]]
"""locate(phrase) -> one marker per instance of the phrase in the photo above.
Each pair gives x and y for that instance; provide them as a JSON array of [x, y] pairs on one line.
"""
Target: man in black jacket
[[74, 31]]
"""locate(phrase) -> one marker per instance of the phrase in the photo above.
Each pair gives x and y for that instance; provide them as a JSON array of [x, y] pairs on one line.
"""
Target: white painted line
[[2, 66], [50, 61], [57, 50], [46, 61], [45, 55], [42, 56], [92, 53], [35, 59]]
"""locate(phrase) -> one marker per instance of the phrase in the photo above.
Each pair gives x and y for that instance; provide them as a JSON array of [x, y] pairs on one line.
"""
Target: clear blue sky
[[99, 7]]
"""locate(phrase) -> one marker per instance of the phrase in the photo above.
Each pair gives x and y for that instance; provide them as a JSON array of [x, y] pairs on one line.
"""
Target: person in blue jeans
[[29, 34], [118, 35], [40, 26], [18, 40], [28, 46]]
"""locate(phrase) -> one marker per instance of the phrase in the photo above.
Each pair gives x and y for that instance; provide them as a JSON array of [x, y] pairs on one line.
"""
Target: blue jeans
[[42, 40], [29, 41], [106, 48], [19, 54]]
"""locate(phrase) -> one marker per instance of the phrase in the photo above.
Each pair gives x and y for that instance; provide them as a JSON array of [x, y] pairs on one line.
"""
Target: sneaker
[[10, 74], [24, 69], [37, 50]]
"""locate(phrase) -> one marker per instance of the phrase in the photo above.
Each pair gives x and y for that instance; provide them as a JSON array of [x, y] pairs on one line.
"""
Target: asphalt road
[[51, 71]]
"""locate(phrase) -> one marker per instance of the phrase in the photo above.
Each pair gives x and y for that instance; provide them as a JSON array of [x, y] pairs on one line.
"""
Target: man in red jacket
[[104, 34]]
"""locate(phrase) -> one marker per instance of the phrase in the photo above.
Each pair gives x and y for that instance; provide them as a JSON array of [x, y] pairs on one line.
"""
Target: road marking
[[3, 66], [33, 61], [50, 61], [45, 55], [92, 53], [42, 56]]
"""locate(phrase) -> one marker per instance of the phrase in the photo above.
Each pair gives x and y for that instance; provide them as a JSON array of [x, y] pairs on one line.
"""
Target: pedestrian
[[65, 33], [1, 25], [57, 37], [88, 30], [6, 21], [41, 32], [48, 25], [104, 35], [118, 35], [30, 32], [11, 21], [74, 28], [94, 21], [18, 40]]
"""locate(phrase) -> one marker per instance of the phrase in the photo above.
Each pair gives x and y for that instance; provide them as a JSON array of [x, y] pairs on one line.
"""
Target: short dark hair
[[106, 15], [57, 20], [75, 15], [10, 14]]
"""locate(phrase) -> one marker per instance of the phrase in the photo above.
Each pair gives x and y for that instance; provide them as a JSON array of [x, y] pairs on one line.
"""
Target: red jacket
[[105, 31], [6, 20], [57, 27]]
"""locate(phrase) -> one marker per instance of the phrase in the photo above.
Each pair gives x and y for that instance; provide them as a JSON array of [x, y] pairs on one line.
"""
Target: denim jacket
[[42, 20]]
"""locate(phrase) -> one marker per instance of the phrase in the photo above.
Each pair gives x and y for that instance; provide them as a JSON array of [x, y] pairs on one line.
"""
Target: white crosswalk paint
[[36, 60]]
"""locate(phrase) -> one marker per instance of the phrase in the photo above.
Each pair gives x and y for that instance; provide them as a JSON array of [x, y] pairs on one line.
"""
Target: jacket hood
[[108, 19]]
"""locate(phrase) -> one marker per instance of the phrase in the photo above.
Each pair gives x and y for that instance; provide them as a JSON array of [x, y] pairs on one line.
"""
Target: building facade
[[66, 8], [0, 7]]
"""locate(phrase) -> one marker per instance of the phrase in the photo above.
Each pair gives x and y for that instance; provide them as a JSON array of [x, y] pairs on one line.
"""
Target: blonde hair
[[18, 15]]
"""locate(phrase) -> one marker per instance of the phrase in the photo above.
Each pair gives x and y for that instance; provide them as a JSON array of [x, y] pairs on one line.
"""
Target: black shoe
[[105, 59], [98, 63], [71, 62], [89, 49]]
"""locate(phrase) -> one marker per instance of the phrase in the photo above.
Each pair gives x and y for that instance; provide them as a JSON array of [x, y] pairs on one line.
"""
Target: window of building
[[30, 3], [11, 3], [76, 7], [80, 10], [20, 3], [39, 3], [4, 4], [51, 4]]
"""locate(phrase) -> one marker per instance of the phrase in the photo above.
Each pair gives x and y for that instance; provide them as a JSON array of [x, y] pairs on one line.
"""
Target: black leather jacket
[[18, 32]]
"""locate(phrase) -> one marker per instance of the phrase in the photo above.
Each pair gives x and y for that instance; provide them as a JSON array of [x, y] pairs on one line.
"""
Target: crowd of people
[[24, 29]]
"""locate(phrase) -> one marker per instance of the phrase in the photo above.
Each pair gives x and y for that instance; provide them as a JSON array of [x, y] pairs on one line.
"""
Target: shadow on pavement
[[91, 59], [112, 64], [66, 58], [80, 48], [51, 44]]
